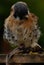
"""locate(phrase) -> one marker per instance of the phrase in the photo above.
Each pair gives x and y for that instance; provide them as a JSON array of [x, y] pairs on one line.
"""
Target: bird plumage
[[23, 30]]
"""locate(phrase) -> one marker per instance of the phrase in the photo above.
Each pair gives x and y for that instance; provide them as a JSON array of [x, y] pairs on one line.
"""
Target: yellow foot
[[33, 52]]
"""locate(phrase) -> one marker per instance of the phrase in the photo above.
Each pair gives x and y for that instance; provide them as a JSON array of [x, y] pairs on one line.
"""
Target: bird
[[21, 28]]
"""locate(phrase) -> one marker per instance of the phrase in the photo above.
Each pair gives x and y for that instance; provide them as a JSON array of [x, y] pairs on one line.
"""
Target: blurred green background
[[35, 6]]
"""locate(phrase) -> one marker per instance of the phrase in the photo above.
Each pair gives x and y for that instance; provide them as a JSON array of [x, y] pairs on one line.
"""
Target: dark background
[[35, 6]]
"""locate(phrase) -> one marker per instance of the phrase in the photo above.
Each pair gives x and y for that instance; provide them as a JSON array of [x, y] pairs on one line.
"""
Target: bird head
[[20, 10]]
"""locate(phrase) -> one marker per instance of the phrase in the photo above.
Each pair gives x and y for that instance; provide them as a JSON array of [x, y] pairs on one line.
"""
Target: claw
[[37, 49]]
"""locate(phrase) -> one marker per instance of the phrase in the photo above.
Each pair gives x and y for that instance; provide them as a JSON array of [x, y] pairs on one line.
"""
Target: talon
[[37, 49]]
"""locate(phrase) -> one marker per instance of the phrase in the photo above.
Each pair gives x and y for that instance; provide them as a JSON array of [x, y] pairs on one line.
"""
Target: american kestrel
[[21, 27]]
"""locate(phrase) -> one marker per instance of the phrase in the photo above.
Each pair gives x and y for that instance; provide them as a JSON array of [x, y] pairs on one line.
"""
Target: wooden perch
[[33, 58], [24, 58]]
